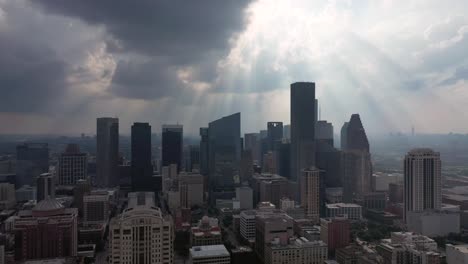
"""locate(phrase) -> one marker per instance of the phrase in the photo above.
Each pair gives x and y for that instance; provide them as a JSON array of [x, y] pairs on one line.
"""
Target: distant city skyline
[[62, 66]]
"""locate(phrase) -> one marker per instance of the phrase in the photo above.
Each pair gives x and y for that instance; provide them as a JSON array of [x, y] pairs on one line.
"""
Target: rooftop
[[209, 251], [340, 205]]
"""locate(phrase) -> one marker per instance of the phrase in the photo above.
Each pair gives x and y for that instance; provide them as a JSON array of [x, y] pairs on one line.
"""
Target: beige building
[[141, 234], [277, 227], [310, 192], [207, 232], [297, 251], [213, 254], [191, 189]]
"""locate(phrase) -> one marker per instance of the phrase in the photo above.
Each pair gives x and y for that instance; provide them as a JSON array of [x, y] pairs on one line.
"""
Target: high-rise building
[[7, 196], [331, 162], [276, 228], [287, 132], [324, 132], [310, 194], [107, 156], [224, 151], [82, 188], [32, 159], [172, 145], [141, 166], [344, 136], [252, 143], [244, 195], [72, 165], [204, 153], [191, 189], [284, 159], [275, 134], [141, 234], [95, 208], [45, 187], [49, 230], [302, 128], [357, 178], [422, 181], [194, 164]]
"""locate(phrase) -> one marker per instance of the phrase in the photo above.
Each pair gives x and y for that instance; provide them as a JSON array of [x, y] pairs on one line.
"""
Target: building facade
[[72, 165], [107, 151], [310, 194], [172, 145]]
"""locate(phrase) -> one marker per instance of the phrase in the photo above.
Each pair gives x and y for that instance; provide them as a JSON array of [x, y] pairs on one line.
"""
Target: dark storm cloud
[[30, 75], [174, 34]]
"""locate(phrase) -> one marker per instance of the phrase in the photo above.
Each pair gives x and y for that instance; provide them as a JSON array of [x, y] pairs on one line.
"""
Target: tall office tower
[[324, 132], [204, 153], [252, 143], [172, 144], [32, 159], [141, 234], [357, 174], [246, 166], [302, 128], [356, 138], [82, 188], [422, 181], [142, 169], [45, 187], [72, 165], [7, 196], [344, 136], [287, 132], [107, 156], [330, 161], [49, 230], [310, 194], [284, 159], [357, 179], [275, 134], [194, 164], [224, 151]]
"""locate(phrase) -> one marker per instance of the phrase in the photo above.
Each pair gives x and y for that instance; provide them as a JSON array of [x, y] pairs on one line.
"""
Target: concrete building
[[141, 234], [49, 230], [457, 254], [45, 186], [269, 228], [348, 210], [335, 232], [207, 232], [270, 188], [245, 196], [286, 204], [408, 248], [310, 193], [72, 165], [247, 225], [213, 254], [434, 222], [297, 251], [7, 196], [303, 107], [107, 151], [395, 192], [191, 188], [95, 208], [422, 181], [334, 195]]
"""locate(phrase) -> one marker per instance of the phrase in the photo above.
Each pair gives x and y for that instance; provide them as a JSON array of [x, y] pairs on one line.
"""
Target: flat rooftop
[[209, 251]]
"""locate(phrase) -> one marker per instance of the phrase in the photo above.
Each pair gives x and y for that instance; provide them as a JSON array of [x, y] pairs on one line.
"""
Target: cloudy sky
[[399, 63]]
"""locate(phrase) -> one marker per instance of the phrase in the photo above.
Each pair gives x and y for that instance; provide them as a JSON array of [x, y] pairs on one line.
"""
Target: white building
[[213, 254], [349, 210], [420, 242], [298, 251], [7, 196], [434, 223], [244, 195], [141, 234], [422, 181], [457, 254]]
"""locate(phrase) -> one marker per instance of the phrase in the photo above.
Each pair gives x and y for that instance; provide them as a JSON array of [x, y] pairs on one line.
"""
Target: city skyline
[[223, 58]]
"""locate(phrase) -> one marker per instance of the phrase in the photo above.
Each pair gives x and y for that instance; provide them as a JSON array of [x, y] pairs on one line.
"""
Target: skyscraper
[[72, 165], [310, 193], [252, 143], [422, 180], [344, 135], [324, 132], [32, 160], [356, 161], [172, 144], [141, 167], [107, 151], [302, 127], [45, 187], [204, 151], [224, 151], [275, 133]]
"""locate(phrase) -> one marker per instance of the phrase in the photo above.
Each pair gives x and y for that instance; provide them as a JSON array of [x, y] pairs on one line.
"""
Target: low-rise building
[[348, 210], [213, 254], [434, 223], [207, 232], [457, 254], [335, 232], [296, 251]]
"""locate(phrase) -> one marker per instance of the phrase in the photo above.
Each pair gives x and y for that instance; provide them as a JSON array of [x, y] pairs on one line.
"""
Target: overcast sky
[[398, 63]]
